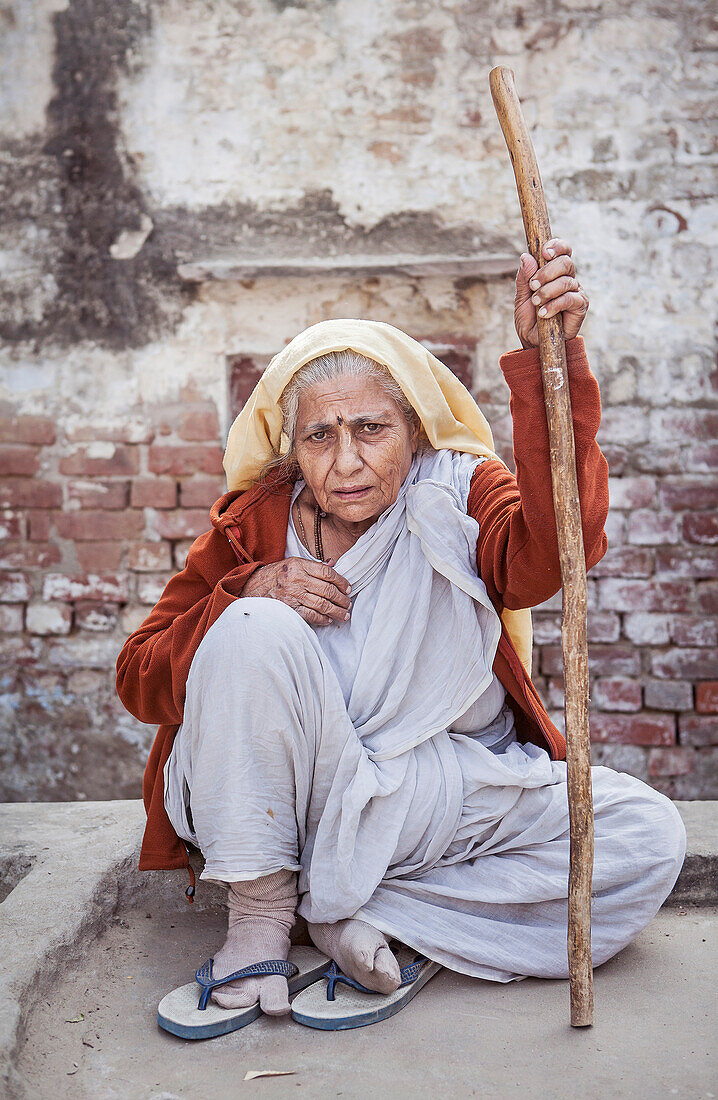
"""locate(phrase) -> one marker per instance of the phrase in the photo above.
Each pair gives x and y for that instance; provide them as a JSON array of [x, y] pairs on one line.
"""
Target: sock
[[360, 951], [261, 916]]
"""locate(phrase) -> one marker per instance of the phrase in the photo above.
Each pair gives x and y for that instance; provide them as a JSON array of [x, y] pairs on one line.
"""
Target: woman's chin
[[363, 510]]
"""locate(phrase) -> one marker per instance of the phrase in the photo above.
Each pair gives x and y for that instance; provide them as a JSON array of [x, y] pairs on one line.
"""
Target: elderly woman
[[350, 731]]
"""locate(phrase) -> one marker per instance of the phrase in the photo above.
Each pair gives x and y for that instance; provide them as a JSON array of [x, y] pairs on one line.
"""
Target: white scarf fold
[[421, 643]]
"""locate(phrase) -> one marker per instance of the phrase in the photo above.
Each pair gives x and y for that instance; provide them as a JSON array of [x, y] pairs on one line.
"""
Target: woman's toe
[[236, 994], [387, 976], [274, 996]]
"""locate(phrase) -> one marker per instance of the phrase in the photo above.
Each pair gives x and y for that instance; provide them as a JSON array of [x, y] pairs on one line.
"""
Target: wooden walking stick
[[552, 350]]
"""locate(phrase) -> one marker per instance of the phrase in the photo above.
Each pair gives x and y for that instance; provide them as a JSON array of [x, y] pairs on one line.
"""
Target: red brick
[[11, 618], [48, 618], [657, 459], [634, 729], [670, 761], [12, 526], [185, 524], [624, 561], [687, 562], [698, 729], [685, 664], [90, 615], [99, 526], [96, 557], [547, 629], [702, 458], [29, 555], [30, 494], [616, 693], [150, 586], [616, 594], [193, 458], [682, 493], [603, 626], [646, 528], [707, 597], [201, 492], [701, 528], [153, 492], [707, 697], [14, 588], [554, 692], [18, 461], [39, 526], [180, 550], [615, 528], [103, 589], [604, 660], [149, 557], [27, 429], [200, 424], [128, 431], [101, 460], [668, 695], [19, 651], [684, 424], [647, 628], [624, 424], [631, 492], [691, 630], [97, 494]]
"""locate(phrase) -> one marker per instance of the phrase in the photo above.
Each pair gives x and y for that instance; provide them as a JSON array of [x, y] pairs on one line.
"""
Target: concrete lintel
[[226, 268]]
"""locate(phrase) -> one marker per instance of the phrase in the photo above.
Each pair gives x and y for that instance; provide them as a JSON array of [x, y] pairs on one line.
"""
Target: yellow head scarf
[[450, 416]]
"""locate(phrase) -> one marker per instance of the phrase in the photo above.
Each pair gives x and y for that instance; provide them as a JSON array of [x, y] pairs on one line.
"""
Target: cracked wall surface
[[140, 140]]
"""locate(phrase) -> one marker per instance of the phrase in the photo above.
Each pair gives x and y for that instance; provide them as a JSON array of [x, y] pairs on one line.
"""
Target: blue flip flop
[[356, 1006], [189, 1013]]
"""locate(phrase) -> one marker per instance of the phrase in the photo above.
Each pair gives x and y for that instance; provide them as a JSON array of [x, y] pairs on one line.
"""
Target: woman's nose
[[347, 459]]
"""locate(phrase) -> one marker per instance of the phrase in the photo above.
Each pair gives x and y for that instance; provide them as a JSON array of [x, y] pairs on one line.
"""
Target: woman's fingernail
[[542, 311], [535, 299], [346, 616], [534, 284], [349, 588], [550, 253]]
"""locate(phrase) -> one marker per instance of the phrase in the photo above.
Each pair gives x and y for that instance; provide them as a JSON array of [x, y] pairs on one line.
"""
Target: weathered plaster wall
[[136, 137]]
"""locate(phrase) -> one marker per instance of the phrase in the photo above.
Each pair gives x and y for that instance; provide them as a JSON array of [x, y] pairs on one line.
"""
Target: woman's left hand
[[550, 289]]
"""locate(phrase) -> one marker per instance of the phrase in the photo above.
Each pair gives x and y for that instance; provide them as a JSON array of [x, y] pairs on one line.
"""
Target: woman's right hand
[[312, 588]]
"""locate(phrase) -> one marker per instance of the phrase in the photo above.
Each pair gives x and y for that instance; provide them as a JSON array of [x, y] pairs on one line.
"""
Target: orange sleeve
[[517, 548], [154, 663]]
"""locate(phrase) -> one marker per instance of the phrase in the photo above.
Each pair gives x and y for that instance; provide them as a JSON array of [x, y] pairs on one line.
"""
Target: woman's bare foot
[[360, 951], [261, 915]]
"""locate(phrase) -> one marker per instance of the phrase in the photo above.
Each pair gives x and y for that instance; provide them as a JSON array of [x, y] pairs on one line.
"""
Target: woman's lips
[[351, 494]]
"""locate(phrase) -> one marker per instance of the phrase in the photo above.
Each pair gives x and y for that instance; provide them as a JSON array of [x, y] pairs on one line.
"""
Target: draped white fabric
[[379, 759]]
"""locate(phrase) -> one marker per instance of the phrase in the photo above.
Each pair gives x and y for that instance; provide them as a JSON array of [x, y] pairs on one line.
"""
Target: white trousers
[[456, 849]]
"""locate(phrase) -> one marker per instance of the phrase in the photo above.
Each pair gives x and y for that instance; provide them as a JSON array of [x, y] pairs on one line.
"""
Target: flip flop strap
[[203, 976], [408, 975]]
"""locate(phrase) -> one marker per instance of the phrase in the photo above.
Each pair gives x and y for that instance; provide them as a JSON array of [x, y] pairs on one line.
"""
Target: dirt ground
[[94, 1035]]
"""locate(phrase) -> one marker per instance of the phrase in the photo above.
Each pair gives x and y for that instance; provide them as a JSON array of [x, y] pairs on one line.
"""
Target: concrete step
[[68, 869]]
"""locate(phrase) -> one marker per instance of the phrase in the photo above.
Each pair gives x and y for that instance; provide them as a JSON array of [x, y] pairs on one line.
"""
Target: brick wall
[[149, 272]]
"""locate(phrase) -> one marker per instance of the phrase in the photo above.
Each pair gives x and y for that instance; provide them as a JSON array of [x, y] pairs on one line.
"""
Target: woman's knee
[[251, 631]]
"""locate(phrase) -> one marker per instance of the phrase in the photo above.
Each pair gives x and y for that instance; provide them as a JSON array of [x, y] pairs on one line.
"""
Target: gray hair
[[335, 364]]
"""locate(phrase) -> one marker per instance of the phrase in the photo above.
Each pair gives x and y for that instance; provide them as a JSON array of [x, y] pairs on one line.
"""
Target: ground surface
[[654, 1034]]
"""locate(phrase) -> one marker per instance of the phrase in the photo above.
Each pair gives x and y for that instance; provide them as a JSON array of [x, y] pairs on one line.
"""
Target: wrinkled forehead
[[346, 397]]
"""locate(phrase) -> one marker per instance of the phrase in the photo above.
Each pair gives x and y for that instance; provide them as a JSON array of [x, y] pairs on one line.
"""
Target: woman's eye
[[372, 428], [318, 437]]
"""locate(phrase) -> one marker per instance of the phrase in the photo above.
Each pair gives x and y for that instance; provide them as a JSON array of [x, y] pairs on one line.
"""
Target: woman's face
[[354, 447]]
